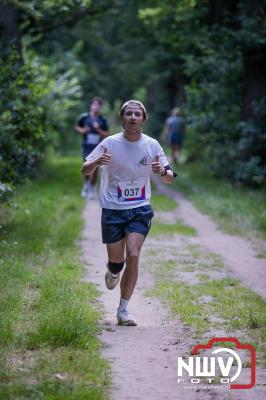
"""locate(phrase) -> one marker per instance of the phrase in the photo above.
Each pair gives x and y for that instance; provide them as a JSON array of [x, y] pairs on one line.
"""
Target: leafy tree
[[208, 57], [37, 92]]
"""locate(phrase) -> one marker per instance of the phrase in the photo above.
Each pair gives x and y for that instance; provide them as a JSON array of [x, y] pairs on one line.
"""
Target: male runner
[[127, 158], [174, 132], [93, 127]]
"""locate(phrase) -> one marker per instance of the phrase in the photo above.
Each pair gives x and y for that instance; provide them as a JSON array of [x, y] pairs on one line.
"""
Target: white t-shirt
[[125, 179]]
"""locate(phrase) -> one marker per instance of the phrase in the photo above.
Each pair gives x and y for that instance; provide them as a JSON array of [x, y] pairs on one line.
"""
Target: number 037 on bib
[[130, 191]]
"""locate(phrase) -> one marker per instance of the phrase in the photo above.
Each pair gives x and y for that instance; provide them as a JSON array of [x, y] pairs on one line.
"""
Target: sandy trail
[[143, 358], [237, 253]]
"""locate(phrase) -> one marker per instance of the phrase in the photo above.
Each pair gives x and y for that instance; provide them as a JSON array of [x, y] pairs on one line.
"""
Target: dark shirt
[[176, 124], [92, 137]]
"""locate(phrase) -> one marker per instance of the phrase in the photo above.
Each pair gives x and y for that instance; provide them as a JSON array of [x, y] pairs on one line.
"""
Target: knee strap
[[115, 268]]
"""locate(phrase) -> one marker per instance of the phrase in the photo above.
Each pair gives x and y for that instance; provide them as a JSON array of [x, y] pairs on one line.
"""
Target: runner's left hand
[[156, 166], [104, 158]]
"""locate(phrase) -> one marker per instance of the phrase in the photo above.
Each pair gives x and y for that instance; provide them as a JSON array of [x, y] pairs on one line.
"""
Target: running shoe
[[90, 194], [111, 280], [125, 319], [89, 190], [84, 192]]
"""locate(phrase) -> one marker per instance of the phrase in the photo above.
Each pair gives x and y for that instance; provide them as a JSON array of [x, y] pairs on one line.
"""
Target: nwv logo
[[229, 367], [206, 366]]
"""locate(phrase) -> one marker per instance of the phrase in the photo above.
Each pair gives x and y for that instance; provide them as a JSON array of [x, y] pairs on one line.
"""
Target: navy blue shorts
[[87, 149], [175, 138], [116, 223]]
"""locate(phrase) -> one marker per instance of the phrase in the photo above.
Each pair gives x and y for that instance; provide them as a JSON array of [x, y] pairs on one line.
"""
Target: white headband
[[136, 102]]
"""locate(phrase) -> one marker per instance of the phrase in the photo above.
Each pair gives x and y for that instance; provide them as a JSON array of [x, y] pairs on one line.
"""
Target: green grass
[[237, 308], [162, 203], [165, 204], [160, 228], [49, 318], [203, 277], [197, 260], [181, 300], [237, 210], [71, 322], [237, 305]]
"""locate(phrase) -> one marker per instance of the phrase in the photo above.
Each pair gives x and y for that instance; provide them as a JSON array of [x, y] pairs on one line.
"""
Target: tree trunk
[[254, 80], [254, 60], [217, 10], [10, 32]]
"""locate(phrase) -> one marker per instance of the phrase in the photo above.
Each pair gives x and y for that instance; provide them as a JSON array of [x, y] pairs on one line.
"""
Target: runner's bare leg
[[134, 242], [175, 153], [116, 251]]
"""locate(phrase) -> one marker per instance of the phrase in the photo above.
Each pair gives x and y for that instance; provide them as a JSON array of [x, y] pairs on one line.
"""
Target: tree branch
[[72, 19]]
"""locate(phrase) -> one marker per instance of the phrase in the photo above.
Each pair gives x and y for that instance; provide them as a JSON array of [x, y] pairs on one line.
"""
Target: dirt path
[[144, 358], [236, 252], [141, 358]]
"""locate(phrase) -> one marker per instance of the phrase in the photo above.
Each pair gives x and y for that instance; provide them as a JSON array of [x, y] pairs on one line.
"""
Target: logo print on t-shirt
[[143, 161]]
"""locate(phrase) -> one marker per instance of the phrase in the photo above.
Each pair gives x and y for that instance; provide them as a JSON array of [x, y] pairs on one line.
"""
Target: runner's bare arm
[[83, 130], [169, 177], [90, 166], [101, 132], [157, 168]]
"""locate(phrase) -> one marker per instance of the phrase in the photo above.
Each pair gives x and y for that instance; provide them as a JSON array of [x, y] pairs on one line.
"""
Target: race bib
[[131, 190], [92, 138]]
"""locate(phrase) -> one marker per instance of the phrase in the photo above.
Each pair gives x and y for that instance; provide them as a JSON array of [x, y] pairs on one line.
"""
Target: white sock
[[123, 304], [88, 185]]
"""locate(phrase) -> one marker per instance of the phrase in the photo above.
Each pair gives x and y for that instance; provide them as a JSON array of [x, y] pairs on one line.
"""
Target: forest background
[[207, 57]]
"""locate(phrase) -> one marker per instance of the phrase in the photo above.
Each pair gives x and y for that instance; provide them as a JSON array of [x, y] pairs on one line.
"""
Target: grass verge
[[237, 210], [160, 228], [187, 285], [160, 202], [49, 318]]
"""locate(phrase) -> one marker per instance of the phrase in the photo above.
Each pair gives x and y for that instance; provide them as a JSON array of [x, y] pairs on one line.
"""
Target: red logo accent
[[249, 347]]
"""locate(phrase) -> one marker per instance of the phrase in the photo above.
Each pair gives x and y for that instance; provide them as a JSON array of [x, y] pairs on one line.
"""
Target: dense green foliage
[[22, 132], [206, 57], [234, 144], [34, 105], [209, 59]]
